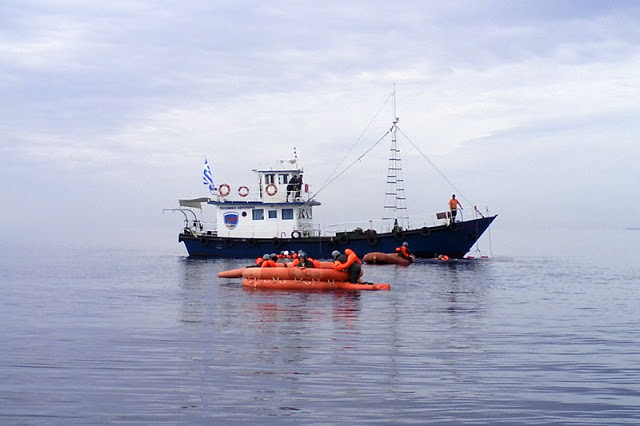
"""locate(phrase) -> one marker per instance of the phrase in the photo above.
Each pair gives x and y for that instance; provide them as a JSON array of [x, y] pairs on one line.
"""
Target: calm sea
[[153, 337]]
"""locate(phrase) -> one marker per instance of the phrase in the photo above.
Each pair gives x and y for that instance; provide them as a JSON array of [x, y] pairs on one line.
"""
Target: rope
[[435, 167], [329, 182]]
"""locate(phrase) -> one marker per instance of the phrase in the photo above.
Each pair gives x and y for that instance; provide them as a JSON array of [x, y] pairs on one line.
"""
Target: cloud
[[130, 96]]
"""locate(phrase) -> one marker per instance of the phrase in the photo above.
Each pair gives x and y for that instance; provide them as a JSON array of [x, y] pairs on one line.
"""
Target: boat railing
[[256, 194], [414, 222], [199, 228]]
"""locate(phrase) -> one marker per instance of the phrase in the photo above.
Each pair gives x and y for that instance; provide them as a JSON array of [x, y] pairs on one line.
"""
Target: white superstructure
[[272, 207]]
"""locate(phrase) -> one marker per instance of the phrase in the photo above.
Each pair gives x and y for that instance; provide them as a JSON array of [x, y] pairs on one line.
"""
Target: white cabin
[[266, 209]]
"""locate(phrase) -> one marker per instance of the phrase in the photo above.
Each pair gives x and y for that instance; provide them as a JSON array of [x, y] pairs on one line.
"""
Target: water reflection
[[267, 307]]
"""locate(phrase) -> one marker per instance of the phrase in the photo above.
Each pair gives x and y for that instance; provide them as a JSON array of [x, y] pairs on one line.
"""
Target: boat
[[375, 257], [288, 278], [275, 213]]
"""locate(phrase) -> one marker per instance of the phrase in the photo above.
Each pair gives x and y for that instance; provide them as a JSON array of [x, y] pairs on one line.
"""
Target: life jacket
[[403, 252], [351, 259], [453, 203], [268, 264], [259, 261], [350, 253]]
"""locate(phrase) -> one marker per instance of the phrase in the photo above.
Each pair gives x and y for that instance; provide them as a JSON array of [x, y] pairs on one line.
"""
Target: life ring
[[425, 231], [306, 187], [276, 242], [372, 239], [344, 238], [204, 242], [243, 191], [399, 234], [453, 226], [251, 242], [228, 243], [331, 245], [296, 234], [274, 187], [224, 190]]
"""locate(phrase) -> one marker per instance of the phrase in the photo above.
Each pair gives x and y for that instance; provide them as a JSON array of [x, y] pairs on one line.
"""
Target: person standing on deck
[[292, 186], [299, 187], [453, 207]]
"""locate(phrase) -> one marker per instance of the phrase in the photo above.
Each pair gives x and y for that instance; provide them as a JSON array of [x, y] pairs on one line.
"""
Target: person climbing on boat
[[404, 252], [349, 262], [453, 207], [304, 261]]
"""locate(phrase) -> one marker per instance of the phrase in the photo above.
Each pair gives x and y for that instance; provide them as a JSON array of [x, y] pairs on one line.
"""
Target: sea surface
[[146, 336]]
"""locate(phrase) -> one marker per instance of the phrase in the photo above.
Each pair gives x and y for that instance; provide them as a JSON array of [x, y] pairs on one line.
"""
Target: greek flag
[[206, 176]]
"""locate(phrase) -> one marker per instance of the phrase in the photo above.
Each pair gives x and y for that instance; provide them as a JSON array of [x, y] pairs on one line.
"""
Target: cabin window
[[258, 214], [304, 214], [283, 178], [273, 214], [287, 214], [269, 178]]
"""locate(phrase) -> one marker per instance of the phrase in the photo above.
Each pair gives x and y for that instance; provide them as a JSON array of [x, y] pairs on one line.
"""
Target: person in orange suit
[[304, 261], [453, 207], [268, 262], [349, 262], [404, 252]]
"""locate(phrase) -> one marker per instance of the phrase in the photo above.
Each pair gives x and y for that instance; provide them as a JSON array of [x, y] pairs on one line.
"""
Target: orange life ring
[[243, 191], [275, 189], [224, 189]]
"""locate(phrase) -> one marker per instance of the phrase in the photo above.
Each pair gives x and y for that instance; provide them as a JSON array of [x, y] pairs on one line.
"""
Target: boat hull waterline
[[427, 242]]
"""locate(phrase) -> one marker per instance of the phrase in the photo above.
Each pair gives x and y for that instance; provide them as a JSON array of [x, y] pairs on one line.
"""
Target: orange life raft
[[237, 273], [377, 257], [310, 285], [321, 274]]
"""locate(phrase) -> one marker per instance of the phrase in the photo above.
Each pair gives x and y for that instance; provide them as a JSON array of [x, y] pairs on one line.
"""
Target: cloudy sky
[[108, 109]]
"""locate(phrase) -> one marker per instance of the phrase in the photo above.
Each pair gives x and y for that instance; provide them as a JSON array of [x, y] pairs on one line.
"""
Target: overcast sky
[[108, 109]]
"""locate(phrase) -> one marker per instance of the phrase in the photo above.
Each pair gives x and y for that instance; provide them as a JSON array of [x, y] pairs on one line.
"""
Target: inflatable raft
[[287, 278], [237, 273], [309, 285], [321, 274], [377, 257]]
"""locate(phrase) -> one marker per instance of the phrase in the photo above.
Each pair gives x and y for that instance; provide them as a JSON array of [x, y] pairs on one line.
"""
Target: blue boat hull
[[454, 241]]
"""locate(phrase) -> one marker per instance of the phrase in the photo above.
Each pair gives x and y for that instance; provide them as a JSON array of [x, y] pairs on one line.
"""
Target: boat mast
[[395, 202]]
